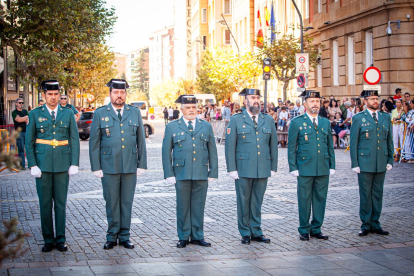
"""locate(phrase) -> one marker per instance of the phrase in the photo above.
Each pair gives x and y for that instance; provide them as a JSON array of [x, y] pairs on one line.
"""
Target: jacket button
[[257, 133], [258, 153], [54, 132], [121, 124], [258, 146], [193, 145], [54, 126], [193, 138], [378, 147], [194, 152], [257, 139], [362, 153], [319, 151], [318, 138], [123, 139], [194, 159], [122, 131], [176, 164], [123, 147], [303, 157]]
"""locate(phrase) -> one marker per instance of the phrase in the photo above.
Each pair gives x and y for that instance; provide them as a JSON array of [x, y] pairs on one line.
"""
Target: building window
[[204, 16], [319, 6], [335, 54], [226, 37], [132, 55], [306, 8], [227, 9], [351, 60], [245, 30], [319, 69], [369, 49], [204, 42]]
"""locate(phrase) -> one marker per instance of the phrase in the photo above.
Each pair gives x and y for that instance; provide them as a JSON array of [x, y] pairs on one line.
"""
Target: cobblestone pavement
[[154, 224]]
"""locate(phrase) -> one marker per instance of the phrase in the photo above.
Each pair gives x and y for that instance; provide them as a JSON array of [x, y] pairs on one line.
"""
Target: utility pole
[[301, 26]]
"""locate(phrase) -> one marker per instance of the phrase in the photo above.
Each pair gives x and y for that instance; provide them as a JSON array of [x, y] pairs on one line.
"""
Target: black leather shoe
[[201, 242], [62, 246], [261, 239], [47, 247], [380, 232], [110, 245], [304, 237], [245, 240], [319, 236], [127, 244], [363, 232], [182, 243]]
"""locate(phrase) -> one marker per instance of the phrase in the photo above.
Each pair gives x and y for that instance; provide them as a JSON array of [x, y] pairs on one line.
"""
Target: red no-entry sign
[[372, 75], [301, 80]]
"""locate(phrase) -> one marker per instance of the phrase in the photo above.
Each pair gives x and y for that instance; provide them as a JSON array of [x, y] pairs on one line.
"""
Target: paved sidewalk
[[389, 262]]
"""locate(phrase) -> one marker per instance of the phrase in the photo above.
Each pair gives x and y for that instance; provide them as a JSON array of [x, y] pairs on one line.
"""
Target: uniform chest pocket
[[108, 124], [324, 136], [179, 142], [133, 127], [244, 135], [107, 128], [385, 131], [64, 125], [41, 129], [367, 133], [304, 136], [204, 141]]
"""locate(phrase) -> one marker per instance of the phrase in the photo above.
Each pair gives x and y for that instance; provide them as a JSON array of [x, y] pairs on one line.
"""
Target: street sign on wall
[[372, 75], [302, 63]]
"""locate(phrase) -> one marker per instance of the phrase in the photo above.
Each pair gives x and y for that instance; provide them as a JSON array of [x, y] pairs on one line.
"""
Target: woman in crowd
[[338, 127], [333, 109], [236, 107], [388, 107], [408, 149], [218, 116], [281, 115], [323, 112], [398, 127]]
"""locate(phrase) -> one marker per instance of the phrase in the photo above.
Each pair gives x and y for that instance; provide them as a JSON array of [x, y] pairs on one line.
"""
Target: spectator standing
[[323, 112], [236, 107], [279, 104], [176, 113], [398, 94], [165, 112], [40, 103], [333, 109], [20, 119], [343, 108], [407, 97], [64, 103], [409, 137], [226, 111], [170, 113], [282, 116], [219, 115], [397, 127], [388, 107], [349, 114], [292, 111]]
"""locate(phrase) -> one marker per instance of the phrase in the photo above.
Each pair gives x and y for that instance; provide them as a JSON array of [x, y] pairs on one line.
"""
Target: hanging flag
[[259, 41], [267, 16], [272, 26]]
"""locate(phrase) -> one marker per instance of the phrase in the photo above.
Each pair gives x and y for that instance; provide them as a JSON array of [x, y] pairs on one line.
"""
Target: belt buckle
[[55, 143]]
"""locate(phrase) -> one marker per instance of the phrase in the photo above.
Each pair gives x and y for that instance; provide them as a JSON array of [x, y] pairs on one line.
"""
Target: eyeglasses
[[63, 98], [20, 102]]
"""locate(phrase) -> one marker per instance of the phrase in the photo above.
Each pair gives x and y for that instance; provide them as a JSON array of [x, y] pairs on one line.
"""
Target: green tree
[[165, 93], [222, 70], [139, 78], [45, 34], [283, 54]]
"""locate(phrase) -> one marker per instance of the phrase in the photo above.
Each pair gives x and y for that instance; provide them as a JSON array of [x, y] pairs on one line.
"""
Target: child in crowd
[[283, 117]]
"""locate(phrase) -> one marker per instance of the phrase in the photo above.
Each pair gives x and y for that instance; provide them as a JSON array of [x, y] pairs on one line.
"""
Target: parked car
[[143, 107], [85, 121]]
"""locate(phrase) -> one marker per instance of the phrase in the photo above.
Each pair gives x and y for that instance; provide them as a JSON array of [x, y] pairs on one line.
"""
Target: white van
[[203, 99], [143, 107]]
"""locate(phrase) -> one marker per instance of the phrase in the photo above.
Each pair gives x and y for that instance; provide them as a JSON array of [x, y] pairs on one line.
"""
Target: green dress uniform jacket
[[190, 157], [54, 162], [253, 153], [371, 147], [311, 152], [118, 148]]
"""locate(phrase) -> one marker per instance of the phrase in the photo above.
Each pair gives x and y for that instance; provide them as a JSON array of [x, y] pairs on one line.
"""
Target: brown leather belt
[[53, 142]]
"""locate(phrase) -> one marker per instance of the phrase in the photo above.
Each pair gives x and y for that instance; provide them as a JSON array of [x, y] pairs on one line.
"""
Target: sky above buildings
[[136, 20]]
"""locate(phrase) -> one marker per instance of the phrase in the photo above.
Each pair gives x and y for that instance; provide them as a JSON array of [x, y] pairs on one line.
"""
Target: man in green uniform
[[64, 103], [251, 157], [52, 149], [311, 159], [372, 150], [118, 154], [191, 165]]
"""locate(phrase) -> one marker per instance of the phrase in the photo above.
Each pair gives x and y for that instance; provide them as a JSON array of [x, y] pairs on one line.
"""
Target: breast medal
[[107, 132]]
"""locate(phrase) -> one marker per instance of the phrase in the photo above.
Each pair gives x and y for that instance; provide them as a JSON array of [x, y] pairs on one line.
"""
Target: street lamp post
[[225, 23], [301, 26]]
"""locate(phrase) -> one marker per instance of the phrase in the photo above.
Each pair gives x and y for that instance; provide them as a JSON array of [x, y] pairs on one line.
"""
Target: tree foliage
[[44, 34], [11, 240], [222, 70], [139, 78], [283, 55], [165, 93]]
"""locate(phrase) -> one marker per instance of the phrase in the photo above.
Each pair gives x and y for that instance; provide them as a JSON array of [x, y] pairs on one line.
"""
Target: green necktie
[[314, 123], [254, 121], [190, 126], [53, 115], [119, 114], [374, 115]]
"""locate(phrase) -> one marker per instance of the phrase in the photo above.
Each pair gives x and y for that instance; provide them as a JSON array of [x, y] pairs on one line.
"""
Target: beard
[[314, 110], [253, 108], [373, 107]]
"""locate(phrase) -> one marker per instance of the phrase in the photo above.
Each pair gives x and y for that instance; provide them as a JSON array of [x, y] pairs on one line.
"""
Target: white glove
[[272, 173], [331, 172], [294, 173], [98, 174], [389, 167], [171, 180], [211, 179], [234, 175], [73, 170], [356, 170], [36, 172], [140, 171]]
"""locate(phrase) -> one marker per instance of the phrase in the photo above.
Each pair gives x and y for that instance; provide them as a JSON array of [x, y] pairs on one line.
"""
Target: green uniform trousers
[[52, 190], [312, 193], [118, 192], [191, 200], [250, 193], [371, 188]]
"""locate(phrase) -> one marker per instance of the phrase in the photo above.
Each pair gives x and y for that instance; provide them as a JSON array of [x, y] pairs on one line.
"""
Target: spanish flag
[[259, 41], [267, 16]]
